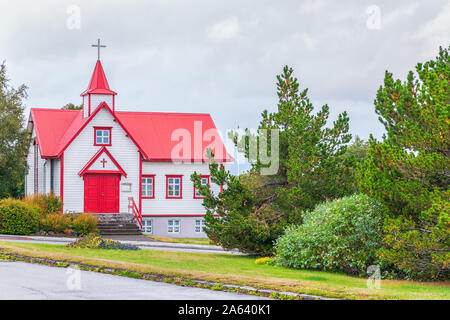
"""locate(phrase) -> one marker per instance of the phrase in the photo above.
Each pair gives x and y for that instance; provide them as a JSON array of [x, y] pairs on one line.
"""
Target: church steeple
[[98, 90]]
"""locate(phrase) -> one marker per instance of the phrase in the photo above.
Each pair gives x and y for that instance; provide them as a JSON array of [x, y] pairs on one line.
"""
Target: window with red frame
[[174, 185], [102, 136], [205, 181], [148, 187]]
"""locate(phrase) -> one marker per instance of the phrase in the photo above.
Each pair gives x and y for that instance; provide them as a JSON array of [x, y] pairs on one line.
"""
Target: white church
[[106, 160]]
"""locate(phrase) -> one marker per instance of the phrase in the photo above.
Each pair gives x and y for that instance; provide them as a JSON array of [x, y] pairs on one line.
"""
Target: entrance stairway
[[117, 224]]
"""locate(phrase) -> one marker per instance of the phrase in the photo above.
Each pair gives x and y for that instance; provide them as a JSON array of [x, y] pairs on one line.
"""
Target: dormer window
[[102, 136]]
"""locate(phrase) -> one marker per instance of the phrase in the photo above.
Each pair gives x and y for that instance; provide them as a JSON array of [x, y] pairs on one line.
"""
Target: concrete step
[[117, 224]]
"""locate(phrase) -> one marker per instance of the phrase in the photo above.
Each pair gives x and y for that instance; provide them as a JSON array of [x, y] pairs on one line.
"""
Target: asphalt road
[[20, 280]]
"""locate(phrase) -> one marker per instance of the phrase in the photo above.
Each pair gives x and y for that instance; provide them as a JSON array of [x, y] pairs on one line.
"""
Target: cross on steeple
[[103, 162], [98, 46]]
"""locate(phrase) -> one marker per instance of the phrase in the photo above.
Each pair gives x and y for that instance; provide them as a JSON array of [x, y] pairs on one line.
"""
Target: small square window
[[200, 225], [173, 226], [147, 226], [102, 136]]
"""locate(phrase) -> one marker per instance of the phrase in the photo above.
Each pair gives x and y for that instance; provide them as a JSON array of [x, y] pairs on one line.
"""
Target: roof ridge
[[54, 109], [167, 113]]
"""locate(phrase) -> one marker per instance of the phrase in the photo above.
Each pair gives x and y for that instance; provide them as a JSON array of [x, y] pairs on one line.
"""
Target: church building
[[104, 159]]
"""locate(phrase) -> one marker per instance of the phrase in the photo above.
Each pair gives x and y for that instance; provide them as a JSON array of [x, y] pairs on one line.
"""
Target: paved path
[[20, 280], [148, 245]]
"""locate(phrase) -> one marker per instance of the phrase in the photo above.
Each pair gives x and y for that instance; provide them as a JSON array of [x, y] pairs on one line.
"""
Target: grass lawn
[[182, 240], [240, 270]]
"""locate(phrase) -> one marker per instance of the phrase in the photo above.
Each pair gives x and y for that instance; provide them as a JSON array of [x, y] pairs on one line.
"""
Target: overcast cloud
[[221, 57]]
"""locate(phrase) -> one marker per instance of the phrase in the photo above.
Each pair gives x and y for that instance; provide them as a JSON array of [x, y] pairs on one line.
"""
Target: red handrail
[[134, 209]]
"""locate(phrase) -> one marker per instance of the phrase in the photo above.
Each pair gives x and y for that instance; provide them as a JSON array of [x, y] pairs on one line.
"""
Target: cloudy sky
[[220, 57]]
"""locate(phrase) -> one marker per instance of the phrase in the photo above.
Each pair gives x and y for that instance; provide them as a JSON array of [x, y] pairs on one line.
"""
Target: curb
[[150, 244], [216, 286]]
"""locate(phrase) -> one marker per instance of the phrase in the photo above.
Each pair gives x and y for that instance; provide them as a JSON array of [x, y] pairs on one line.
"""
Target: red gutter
[[61, 187], [140, 183]]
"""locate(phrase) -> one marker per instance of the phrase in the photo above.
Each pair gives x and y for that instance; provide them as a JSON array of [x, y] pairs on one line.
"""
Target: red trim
[[181, 186], [176, 215], [140, 183], [103, 149], [153, 184], [100, 106], [200, 197], [95, 136], [61, 185], [101, 171], [186, 160]]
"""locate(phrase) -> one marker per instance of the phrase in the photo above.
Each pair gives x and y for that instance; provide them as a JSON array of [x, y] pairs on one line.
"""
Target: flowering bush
[[342, 235], [93, 241], [265, 260], [85, 223], [48, 203], [56, 222]]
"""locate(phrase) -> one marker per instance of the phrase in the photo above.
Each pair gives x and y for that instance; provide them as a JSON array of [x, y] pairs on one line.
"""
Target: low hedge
[[18, 217]]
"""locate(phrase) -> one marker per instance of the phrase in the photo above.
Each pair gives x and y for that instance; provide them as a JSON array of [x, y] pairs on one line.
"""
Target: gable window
[[102, 136], [174, 186], [147, 226], [148, 187], [200, 225], [205, 181], [173, 226]]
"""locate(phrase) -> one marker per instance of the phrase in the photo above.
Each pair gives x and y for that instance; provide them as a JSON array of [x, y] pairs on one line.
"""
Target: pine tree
[[409, 170], [254, 208]]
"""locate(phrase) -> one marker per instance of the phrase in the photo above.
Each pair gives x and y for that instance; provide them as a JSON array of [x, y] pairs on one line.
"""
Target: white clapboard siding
[[57, 176], [82, 149], [96, 99], [29, 180], [184, 206]]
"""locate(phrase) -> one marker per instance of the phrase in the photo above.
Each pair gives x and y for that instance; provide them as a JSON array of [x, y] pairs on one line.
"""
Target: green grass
[[240, 270], [182, 240]]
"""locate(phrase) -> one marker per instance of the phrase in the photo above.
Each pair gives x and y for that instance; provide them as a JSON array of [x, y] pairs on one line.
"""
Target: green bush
[[420, 248], [17, 217], [85, 223], [56, 222], [48, 203], [342, 235]]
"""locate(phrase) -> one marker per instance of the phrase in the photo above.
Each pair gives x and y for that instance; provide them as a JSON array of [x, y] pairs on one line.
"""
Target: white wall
[[96, 99], [29, 186], [82, 149], [162, 206], [57, 176], [43, 179]]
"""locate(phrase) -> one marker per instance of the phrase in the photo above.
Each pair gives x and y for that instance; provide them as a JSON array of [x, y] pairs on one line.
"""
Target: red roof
[[152, 132], [98, 84]]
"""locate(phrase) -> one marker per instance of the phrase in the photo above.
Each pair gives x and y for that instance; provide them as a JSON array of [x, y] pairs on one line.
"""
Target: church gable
[[102, 162]]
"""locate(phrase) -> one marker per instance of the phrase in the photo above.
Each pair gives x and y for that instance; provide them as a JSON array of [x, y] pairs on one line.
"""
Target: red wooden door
[[101, 193]]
